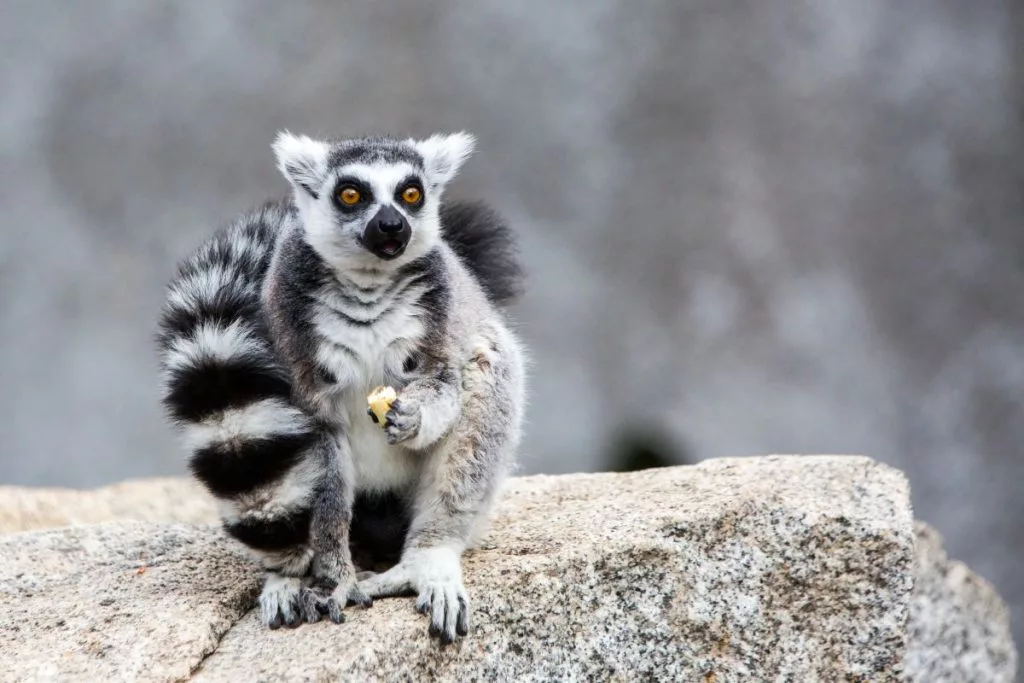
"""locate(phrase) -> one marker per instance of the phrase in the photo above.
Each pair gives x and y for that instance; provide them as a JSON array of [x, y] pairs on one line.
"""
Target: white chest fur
[[361, 355], [358, 354]]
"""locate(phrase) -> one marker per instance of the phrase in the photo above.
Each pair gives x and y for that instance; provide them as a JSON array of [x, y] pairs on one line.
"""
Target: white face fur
[[370, 204]]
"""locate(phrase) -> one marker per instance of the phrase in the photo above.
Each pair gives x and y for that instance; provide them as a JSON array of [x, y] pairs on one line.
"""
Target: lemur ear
[[444, 154], [302, 160]]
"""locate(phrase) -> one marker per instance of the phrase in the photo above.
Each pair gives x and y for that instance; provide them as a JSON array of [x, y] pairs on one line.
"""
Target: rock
[[168, 499], [119, 601], [959, 628], [731, 570], [775, 568]]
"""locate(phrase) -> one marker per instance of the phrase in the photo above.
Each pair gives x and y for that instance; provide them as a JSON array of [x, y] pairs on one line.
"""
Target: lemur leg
[[299, 530], [332, 577], [459, 481]]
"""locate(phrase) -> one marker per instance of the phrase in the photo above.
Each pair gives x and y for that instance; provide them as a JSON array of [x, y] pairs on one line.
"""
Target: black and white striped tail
[[488, 247], [224, 386]]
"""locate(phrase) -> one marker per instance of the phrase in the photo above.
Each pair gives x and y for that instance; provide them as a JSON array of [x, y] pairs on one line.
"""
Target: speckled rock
[[125, 601], [165, 499], [959, 628], [775, 568], [754, 569]]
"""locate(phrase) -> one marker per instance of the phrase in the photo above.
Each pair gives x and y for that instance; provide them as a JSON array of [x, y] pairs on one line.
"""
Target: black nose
[[391, 225], [388, 221], [387, 233]]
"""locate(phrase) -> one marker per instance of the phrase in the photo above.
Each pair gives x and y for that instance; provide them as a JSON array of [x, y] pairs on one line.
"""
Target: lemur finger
[[424, 601], [432, 628], [404, 412], [462, 626], [373, 415], [452, 609], [438, 613], [399, 430]]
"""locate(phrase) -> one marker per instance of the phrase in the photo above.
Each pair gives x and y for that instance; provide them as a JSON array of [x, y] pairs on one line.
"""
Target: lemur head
[[370, 202]]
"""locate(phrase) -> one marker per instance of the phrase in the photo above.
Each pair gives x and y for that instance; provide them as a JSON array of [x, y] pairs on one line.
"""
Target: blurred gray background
[[799, 223]]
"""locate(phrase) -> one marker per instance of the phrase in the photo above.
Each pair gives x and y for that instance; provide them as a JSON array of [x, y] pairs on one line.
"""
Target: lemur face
[[371, 203], [382, 206]]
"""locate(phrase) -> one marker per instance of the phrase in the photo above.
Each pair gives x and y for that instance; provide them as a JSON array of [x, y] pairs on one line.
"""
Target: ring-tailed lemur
[[277, 328]]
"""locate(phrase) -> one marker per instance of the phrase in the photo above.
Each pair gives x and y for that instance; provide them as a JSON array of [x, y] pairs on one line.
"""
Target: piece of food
[[380, 400]]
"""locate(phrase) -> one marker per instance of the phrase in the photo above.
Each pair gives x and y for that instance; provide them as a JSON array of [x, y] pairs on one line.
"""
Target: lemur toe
[[334, 611], [293, 619], [309, 605]]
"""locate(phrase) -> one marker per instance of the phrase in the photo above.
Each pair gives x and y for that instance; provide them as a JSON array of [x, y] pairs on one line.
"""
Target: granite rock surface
[[959, 628], [805, 568]]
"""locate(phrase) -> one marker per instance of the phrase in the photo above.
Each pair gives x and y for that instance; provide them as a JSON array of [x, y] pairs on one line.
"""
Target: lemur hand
[[402, 422]]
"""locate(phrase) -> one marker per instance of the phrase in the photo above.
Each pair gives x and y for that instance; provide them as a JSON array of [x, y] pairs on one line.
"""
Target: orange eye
[[411, 195], [349, 196]]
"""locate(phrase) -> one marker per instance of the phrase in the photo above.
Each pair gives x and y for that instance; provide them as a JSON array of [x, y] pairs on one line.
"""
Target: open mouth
[[391, 248], [387, 249]]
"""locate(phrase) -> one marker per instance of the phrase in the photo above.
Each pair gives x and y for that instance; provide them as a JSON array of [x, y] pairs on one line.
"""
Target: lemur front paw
[[434, 576], [327, 598], [402, 422]]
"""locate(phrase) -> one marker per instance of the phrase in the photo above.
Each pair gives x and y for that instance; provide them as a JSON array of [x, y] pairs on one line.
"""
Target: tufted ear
[[444, 154], [302, 160]]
